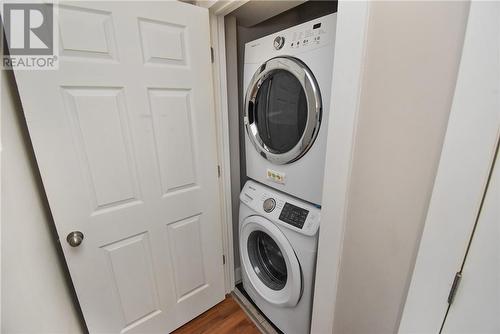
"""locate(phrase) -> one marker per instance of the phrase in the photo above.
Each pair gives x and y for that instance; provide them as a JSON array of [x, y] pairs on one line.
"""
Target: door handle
[[75, 238]]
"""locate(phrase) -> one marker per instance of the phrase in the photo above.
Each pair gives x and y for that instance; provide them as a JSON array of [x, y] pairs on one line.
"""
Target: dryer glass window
[[267, 260], [281, 111]]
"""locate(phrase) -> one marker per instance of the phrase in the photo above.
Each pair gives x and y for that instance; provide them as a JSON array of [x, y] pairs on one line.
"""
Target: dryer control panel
[[301, 38], [281, 208]]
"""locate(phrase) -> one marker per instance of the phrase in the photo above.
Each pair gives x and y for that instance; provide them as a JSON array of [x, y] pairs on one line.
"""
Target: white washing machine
[[287, 86], [278, 244]]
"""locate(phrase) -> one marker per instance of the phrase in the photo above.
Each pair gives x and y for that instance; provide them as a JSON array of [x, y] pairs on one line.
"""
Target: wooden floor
[[224, 318]]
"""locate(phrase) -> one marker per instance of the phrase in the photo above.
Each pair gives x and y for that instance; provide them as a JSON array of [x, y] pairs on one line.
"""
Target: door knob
[[75, 238]]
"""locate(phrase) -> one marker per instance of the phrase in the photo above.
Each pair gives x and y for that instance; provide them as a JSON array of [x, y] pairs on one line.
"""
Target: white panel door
[[124, 136], [476, 306]]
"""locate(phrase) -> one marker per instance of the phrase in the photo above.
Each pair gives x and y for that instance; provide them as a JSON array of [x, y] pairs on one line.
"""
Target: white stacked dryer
[[287, 88]]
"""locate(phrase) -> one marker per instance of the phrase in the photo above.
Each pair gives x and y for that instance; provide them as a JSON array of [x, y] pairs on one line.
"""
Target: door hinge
[[212, 56], [454, 287], [223, 259], [218, 171]]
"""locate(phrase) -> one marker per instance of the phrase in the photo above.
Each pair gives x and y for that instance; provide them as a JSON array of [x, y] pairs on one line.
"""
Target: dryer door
[[283, 109], [270, 262]]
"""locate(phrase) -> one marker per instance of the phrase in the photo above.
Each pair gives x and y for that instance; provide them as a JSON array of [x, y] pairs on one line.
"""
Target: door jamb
[[217, 36], [348, 70], [218, 9]]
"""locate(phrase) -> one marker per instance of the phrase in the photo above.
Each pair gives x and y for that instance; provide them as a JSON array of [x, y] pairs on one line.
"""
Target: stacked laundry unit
[[287, 88]]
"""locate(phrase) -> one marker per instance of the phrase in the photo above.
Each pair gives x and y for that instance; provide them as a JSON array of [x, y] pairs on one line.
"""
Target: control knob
[[269, 205], [279, 42]]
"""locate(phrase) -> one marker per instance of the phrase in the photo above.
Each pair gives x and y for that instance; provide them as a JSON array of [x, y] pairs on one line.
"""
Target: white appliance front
[[278, 242], [287, 86]]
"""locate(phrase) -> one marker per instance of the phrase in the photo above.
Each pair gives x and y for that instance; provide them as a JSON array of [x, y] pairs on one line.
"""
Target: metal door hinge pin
[[454, 287]]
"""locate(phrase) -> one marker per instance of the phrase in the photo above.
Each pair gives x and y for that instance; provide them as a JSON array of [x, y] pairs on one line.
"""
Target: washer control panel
[[281, 208], [293, 215]]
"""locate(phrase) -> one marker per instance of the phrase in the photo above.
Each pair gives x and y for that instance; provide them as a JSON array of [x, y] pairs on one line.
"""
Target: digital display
[[293, 215], [317, 25]]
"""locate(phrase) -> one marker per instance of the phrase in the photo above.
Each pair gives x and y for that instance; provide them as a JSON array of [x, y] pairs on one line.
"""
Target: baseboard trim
[[237, 275], [254, 314]]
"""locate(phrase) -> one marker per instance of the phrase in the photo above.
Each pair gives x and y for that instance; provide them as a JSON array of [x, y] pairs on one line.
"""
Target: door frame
[[352, 23], [217, 10], [466, 159]]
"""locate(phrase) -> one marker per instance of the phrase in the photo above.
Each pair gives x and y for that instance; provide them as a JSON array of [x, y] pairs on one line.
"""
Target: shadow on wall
[[35, 278]]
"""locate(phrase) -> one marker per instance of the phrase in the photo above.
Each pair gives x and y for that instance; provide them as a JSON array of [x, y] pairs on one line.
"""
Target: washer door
[[283, 110], [270, 262]]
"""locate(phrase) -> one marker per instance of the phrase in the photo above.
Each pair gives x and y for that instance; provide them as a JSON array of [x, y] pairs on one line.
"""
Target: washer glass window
[[280, 111], [267, 260], [283, 110]]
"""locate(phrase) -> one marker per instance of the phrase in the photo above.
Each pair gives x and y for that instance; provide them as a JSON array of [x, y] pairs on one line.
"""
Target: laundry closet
[[187, 151], [283, 70]]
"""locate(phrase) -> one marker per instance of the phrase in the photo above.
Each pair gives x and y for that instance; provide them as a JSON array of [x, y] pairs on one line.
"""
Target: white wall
[[412, 56], [35, 295]]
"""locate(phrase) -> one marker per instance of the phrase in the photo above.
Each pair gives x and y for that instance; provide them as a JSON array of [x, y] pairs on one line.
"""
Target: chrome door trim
[[314, 108]]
